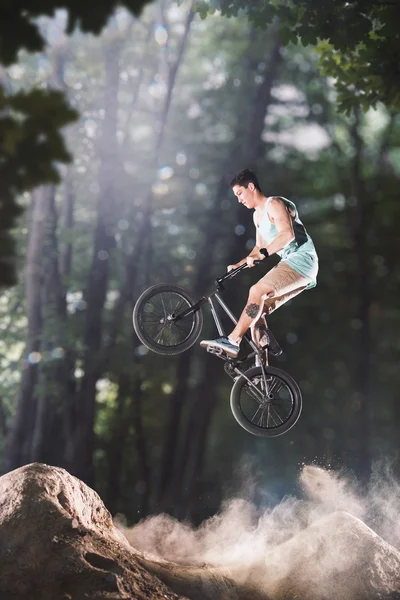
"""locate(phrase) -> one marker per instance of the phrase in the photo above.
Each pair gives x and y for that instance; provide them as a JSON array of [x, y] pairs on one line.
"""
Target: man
[[278, 231]]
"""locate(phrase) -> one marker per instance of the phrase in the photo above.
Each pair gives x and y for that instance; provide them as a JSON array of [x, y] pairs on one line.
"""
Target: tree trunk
[[359, 437], [207, 394], [48, 440], [173, 70], [172, 426], [3, 421], [141, 448], [67, 224], [66, 254], [97, 285], [20, 435], [120, 427], [251, 152], [175, 455]]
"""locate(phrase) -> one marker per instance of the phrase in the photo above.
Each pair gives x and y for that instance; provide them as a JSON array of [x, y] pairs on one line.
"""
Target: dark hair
[[244, 178]]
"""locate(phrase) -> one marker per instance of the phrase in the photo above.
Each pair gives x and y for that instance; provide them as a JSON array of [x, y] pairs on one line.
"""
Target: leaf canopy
[[358, 41]]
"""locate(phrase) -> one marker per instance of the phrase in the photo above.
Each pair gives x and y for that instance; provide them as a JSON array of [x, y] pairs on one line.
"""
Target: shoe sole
[[227, 352]]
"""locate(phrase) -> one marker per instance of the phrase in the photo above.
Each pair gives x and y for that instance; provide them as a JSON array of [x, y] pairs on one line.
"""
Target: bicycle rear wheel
[[266, 412], [154, 324]]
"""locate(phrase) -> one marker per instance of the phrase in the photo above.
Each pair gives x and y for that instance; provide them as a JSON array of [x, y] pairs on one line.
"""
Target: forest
[[168, 107]]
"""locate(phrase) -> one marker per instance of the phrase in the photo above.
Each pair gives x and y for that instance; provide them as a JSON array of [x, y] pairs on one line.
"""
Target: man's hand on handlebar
[[250, 261], [231, 267], [256, 258]]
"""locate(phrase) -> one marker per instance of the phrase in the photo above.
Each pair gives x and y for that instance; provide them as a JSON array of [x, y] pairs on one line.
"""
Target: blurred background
[[170, 108]]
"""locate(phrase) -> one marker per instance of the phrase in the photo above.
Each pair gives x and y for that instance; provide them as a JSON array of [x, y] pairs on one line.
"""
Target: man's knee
[[261, 291]]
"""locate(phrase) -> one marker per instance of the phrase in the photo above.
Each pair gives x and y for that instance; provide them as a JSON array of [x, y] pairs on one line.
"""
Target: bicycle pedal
[[217, 351]]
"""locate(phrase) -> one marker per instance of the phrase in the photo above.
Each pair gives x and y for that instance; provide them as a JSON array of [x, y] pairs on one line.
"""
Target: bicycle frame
[[256, 351]]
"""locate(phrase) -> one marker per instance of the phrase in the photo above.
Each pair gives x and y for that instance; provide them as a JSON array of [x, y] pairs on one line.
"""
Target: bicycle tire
[[236, 401], [194, 322]]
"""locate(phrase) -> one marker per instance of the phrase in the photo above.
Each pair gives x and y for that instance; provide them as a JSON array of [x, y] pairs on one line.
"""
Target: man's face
[[245, 196]]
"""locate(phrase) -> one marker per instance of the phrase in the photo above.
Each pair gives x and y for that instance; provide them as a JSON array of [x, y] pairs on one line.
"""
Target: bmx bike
[[264, 400]]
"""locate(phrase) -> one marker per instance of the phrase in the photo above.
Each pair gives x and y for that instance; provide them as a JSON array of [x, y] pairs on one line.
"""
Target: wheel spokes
[[157, 319], [266, 409]]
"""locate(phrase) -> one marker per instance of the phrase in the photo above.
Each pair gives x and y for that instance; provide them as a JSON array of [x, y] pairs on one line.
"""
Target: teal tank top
[[300, 253]]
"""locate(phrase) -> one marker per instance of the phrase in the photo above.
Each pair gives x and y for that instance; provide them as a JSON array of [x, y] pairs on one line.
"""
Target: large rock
[[58, 542]]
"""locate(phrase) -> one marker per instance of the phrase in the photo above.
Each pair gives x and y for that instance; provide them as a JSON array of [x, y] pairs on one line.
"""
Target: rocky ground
[[58, 542]]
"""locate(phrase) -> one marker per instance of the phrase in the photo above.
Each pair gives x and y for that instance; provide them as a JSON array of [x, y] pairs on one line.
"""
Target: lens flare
[[161, 35]]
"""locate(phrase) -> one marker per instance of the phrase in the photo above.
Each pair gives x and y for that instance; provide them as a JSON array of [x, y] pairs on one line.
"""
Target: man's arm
[[280, 216]]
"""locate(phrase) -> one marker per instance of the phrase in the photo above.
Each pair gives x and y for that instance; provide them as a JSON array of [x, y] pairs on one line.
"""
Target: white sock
[[233, 341]]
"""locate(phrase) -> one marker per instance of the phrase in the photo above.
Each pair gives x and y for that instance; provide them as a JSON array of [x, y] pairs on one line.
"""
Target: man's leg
[[253, 309], [251, 313], [293, 286], [279, 285]]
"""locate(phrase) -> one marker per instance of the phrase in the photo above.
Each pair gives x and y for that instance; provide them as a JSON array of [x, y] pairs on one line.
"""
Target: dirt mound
[[58, 541], [337, 557]]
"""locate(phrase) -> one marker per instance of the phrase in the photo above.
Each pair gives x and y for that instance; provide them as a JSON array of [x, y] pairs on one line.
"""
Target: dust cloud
[[333, 527]]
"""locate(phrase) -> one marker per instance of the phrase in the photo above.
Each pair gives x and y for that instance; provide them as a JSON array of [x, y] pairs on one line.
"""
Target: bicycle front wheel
[[154, 324], [266, 411]]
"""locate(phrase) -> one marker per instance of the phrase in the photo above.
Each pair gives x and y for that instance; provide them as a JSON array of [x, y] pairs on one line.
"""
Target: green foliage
[[31, 135], [358, 42], [31, 143], [19, 27]]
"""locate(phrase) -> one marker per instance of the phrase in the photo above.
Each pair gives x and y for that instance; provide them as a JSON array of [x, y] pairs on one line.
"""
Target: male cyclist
[[278, 231]]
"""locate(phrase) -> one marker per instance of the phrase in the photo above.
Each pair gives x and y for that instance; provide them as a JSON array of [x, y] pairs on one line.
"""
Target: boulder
[[58, 542]]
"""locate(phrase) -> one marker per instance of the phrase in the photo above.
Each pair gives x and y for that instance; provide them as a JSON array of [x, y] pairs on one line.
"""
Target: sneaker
[[223, 343]]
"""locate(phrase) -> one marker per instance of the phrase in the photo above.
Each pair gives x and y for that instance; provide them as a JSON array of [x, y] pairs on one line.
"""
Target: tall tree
[[97, 285], [359, 227], [50, 426], [20, 436]]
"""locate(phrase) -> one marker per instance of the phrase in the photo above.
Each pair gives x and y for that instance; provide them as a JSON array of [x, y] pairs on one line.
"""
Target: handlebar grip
[[234, 271]]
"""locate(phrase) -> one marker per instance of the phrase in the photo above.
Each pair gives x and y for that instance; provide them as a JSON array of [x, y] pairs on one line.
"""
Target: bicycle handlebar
[[234, 272]]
